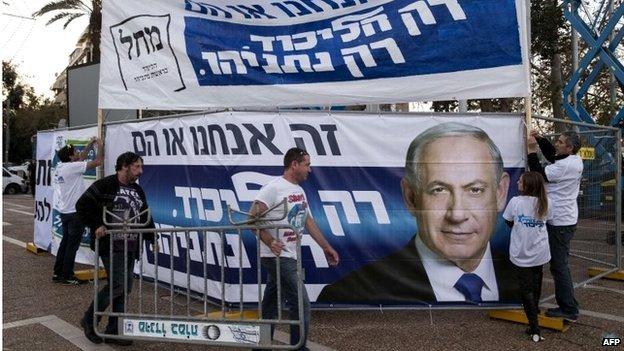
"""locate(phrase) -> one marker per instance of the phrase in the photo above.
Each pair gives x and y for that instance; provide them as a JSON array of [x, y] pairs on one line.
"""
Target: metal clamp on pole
[[125, 222], [261, 217]]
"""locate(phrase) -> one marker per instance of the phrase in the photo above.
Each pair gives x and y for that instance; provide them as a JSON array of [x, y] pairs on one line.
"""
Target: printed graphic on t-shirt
[[127, 204], [530, 222]]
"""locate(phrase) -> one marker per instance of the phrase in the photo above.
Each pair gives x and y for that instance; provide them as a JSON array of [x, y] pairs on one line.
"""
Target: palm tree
[[69, 10]]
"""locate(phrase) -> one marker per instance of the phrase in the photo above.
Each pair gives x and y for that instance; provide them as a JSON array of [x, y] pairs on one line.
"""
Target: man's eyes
[[476, 190], [437, 190]]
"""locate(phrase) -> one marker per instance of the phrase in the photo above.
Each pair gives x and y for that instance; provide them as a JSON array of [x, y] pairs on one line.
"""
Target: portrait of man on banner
[[454, 186]]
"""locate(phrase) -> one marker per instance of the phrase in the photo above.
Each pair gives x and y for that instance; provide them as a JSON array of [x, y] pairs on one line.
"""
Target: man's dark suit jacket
[[400, 279]]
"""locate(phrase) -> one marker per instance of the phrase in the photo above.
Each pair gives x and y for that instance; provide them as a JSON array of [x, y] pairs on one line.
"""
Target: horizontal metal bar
[[195, 229], [556, 120]]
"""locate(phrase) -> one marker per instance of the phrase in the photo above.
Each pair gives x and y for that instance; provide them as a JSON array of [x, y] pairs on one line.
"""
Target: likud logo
[[611, 339], [211, 332]]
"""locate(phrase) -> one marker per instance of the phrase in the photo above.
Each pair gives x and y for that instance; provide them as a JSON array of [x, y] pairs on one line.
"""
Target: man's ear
[[501, 192], [408, 196]]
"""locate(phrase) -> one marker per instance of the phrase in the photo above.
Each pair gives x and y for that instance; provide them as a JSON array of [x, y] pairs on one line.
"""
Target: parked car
[[20, 170], [12, 183]]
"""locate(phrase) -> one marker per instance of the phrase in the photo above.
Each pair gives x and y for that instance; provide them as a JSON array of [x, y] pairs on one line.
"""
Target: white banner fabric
[[189, 54]]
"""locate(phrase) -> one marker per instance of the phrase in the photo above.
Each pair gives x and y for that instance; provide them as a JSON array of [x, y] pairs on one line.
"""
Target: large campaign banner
[[48, 228], [187, 54], [43, 191], [389, 223]]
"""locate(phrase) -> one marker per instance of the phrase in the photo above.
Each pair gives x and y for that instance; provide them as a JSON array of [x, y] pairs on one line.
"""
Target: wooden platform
[[89, 274], [518, 316], [617, 275]]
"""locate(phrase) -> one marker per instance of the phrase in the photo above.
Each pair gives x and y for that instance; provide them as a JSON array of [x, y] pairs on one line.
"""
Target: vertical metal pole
[[278, 277], [99, 171], [171, 270], [575, 42], [141, 273], [618, 200], [222, 234], [528, 100], [204, 263], [155, 253], [96, 278], [188, 272], [110, 270], [300, 286], [125, 268], [240, 271], [259, 273]]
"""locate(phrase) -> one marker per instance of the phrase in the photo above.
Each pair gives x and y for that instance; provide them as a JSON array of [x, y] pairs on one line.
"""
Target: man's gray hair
[[414, 169], [573, 140]]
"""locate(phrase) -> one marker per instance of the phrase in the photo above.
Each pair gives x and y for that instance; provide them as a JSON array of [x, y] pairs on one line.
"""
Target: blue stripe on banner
[[401, 38], [370, 239]]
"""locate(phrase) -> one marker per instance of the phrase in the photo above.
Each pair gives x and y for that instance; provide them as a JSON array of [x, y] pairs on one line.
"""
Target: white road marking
[[67, 331], [22, 212], [6, 223], [17, 205], [14, 241]]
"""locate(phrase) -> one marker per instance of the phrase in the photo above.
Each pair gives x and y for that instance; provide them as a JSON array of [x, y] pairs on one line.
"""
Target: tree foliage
[[25, 113], [69, 10]]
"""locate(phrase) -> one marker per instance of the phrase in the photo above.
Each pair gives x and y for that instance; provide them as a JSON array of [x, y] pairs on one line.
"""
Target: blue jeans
[[70, 242], [559, 238], [116, 278], [288, 276]]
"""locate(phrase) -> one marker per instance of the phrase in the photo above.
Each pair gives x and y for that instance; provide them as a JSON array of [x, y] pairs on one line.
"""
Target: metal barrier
[[144, 318], [598, 239]]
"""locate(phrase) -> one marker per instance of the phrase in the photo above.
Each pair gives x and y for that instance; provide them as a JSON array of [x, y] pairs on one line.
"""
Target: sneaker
[[73, 281], [115, 341], [89, 332], [56, 278], [558, 313], [537, 338]]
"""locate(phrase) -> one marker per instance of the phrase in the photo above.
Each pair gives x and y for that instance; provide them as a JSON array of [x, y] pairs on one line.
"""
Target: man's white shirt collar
[[443, 274]]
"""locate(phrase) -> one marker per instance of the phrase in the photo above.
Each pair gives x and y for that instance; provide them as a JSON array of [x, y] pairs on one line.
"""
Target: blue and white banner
[[188, 54], [48, 228], [195, 166]]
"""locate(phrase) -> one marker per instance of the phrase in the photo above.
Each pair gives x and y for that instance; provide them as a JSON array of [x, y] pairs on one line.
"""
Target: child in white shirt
[[528, 247]]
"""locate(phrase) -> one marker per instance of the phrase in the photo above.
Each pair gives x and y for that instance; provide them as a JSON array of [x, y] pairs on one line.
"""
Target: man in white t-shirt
[[68, 187], [283, 243], [563, 177]]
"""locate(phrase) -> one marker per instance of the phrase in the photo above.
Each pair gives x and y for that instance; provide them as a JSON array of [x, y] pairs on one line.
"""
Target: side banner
[[398, 233], [43, 191], [48, 228], [79, 138], [187, 54]]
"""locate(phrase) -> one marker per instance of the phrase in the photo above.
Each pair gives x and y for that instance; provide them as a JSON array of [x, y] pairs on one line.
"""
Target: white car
[[12, 183], [20, 170]]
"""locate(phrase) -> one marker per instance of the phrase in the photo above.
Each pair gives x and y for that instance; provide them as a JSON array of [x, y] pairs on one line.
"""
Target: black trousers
[[530, 282], [70, 242]]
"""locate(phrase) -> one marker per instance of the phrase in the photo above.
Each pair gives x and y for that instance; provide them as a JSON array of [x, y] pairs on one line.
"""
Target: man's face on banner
[[457, 205]]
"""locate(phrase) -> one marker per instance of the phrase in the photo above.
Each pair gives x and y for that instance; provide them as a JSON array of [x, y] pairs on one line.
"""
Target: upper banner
[[186, 54]]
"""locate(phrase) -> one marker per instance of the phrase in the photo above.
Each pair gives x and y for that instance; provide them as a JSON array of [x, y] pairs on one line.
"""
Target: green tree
[[69, 10], [25, 113]]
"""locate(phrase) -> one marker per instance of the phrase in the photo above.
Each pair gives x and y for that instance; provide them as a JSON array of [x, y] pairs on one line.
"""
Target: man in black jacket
[[122, 196]]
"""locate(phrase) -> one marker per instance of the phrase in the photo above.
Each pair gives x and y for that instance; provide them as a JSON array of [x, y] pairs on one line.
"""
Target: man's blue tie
[[470, 285]]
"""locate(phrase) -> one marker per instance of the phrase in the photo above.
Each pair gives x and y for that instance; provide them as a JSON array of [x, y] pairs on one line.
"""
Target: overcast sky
[[40, 51]]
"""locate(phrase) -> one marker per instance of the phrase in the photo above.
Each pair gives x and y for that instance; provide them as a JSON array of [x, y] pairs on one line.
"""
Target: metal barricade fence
[[144, 318], [597, 243]]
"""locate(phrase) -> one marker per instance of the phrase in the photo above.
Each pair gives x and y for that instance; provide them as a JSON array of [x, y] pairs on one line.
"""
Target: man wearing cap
[[68, 186]]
